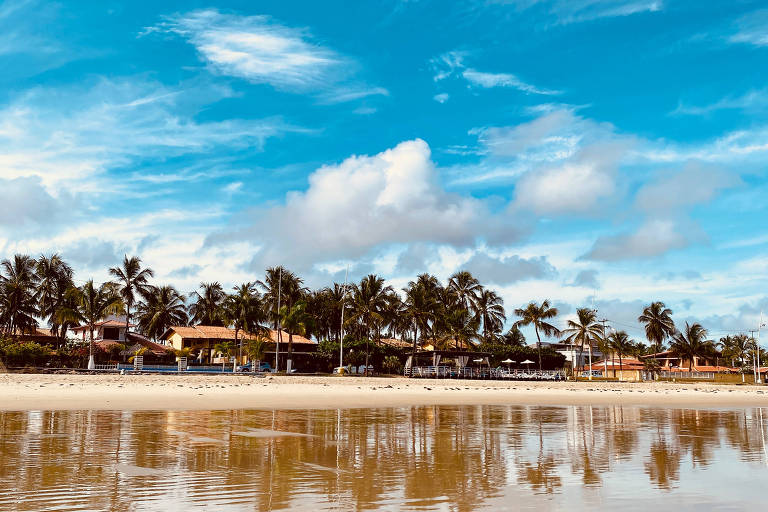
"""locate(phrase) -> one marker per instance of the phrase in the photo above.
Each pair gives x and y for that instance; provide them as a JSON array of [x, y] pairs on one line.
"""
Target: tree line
[[462, 314]]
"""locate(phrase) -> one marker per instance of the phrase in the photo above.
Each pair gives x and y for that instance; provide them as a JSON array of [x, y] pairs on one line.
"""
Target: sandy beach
[[194, 392]]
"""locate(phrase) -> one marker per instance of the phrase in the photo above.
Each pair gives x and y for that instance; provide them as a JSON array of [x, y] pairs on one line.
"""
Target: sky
[[595, 153]]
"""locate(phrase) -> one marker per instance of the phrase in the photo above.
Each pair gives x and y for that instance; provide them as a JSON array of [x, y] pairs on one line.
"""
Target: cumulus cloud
[[367, 202], [28, 205], [260, 50], [503, 271]]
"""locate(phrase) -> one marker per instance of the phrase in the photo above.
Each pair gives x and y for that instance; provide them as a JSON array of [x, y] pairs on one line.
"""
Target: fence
[[112, 367], [449, 372], [666, 374]]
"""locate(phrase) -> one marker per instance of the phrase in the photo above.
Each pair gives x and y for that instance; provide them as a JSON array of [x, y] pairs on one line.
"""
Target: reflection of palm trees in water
[[362, 458]]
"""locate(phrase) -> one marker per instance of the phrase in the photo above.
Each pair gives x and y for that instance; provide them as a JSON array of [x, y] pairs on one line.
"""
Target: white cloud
[[260, 50], [506, 270], [651, 239], [442, 97], [452, 64], [489, 80], [368, 202], [675, 191], [575, 11], [752, 29], [755, 100], [67, 135]]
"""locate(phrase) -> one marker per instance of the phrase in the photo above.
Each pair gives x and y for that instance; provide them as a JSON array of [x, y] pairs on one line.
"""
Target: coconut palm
[[54, 277], [161, 308], [514, 337], [92, 304], [18, 307], [658, 324], [466, 289], [621, 345], [585, 330], [208, 306], [489, 309], [537, 316], [226, 349], [243, 311], [461, 327], [280, 287], [256, 348], [691, 343], [419, 308], [293, 320], [133, 281], [368, 303]]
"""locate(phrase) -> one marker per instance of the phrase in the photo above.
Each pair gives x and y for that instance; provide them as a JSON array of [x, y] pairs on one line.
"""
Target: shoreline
[[26, 392]]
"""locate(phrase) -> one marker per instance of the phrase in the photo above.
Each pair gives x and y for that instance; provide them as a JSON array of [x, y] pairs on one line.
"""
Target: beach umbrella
[[508, 361], [478, 360], [527, 361]]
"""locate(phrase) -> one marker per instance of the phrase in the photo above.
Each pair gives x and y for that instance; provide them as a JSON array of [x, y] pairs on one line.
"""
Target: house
[[573, 352], [202, 338], [37, 335], [669, 361], [110, 338]]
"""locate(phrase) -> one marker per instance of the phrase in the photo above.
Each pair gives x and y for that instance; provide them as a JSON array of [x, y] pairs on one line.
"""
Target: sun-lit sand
[[160, 392]]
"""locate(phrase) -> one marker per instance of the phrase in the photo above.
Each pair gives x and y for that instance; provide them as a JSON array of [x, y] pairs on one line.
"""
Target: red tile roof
[[211, 332]]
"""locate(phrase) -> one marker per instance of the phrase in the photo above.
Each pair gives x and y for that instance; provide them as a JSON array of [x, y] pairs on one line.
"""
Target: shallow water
[[414, 458]]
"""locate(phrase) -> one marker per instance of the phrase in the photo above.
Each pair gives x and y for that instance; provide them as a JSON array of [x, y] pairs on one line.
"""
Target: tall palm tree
[[461, 327], [161, 308], [658, 324], [466, 288], [280, 287], [369, 302], [133, 281], [18, 306], [54, 277], [91, 305], [420, 309], [585, 330], [537, 316], [244, 311], [489, 308], [619, 342], [208, 306], [691, 343], [294, 321]]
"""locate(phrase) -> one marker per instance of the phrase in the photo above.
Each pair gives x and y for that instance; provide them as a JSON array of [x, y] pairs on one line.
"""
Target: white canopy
[[508, 361], [527, 361]]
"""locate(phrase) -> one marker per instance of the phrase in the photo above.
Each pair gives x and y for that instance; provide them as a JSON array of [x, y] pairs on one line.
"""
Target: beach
[[25, 392]]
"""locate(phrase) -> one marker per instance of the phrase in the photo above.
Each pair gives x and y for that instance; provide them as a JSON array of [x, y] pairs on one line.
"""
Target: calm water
[[415, 458]]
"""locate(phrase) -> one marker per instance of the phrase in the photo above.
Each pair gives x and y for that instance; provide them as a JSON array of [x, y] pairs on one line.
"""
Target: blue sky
[[586, 151]]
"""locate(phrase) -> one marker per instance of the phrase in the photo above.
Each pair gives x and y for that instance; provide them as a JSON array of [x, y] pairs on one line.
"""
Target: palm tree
[[243, 311], [161, 308], [489, 308], [225, 348], [537, 316], [420, 308], [281, 287], [619, 342], [369, 301], [738, 347], [208, 306], [133, 281], [256, 348], [18, 306], [691, 344], [461, 326], [658, 324], [293, 320], [466, 288], [91, 305], [514, 337], [54, 277], [583, 331]]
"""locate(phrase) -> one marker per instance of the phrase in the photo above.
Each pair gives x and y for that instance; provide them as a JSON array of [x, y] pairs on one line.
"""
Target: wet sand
[[24, 392]]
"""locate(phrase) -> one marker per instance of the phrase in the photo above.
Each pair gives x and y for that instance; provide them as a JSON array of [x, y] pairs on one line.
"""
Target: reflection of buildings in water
[[360, 457]]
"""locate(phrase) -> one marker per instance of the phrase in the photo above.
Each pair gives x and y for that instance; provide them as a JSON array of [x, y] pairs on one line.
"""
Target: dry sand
[[203, 392]]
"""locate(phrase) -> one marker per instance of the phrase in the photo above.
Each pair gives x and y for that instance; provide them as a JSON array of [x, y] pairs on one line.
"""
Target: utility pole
[[757, 348], [279, 325], [605, 356]]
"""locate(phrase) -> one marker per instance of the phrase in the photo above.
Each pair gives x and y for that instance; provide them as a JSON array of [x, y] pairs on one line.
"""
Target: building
[[203, 338], [669, 361], [573, 353], [110, 338]]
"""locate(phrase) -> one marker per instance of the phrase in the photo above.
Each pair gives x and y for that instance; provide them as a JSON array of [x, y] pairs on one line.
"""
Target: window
[[111, 333]]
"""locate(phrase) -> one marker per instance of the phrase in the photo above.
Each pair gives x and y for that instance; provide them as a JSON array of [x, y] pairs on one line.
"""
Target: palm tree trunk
[[289, 366], [538, 344]]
